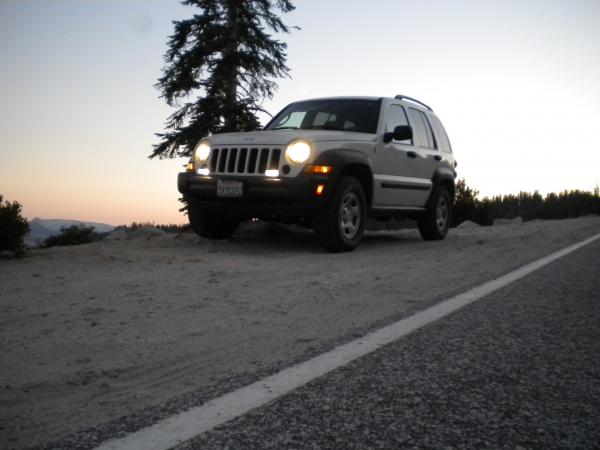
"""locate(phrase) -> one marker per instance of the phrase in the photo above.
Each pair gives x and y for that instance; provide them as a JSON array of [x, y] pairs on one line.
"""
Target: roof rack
[[406, 97]]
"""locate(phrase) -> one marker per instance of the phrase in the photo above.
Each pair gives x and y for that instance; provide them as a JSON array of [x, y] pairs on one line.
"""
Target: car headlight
[[297, 152], [202, 151]]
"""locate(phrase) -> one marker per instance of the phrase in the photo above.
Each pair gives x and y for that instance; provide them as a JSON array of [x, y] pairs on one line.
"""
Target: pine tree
[[218, 70]]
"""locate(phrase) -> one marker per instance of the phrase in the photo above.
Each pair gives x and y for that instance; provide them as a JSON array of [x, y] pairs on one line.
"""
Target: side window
[[442, 137], [430, 135], [396, 116], [419, 131]]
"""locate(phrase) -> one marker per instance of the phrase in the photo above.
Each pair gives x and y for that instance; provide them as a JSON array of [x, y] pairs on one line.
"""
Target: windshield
[[360, 116]]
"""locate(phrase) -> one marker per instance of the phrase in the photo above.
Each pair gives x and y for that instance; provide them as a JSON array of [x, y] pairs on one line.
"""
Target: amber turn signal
[[324, 170], [320, 189], [190, 167]]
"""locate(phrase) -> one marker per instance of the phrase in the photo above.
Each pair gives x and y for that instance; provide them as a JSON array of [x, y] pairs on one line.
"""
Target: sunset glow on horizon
[[514, 82]]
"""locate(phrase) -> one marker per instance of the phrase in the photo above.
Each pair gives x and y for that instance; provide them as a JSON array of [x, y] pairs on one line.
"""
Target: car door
[[402, 171]]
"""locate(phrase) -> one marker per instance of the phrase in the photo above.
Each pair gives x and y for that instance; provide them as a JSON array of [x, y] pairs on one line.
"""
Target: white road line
[[188, 424]]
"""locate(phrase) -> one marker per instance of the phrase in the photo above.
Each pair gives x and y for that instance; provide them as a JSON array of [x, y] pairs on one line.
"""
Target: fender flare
[[342, 157], [442, 176], [351, 162]]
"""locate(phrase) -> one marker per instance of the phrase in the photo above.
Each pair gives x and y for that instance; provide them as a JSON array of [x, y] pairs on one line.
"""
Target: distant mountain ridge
[[41, 229]]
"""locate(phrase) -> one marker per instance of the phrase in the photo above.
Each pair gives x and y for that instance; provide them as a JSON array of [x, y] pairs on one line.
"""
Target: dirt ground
[[99, 331]]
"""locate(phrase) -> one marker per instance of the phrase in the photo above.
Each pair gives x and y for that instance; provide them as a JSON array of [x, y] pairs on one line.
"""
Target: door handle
[[411, 154], [437, 157]]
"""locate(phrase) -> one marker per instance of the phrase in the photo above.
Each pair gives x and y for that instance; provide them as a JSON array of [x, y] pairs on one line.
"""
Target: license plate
[[229, 188]]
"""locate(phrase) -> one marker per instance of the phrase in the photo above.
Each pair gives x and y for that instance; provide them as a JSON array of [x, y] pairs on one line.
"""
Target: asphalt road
[[517, 369]]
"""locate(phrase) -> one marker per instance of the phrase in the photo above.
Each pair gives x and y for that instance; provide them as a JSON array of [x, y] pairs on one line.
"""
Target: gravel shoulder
[[96, 332]]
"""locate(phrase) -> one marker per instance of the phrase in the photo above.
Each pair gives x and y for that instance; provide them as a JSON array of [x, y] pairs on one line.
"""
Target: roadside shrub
[[13, 228], [467, 206], [73, 235], [465, 203]]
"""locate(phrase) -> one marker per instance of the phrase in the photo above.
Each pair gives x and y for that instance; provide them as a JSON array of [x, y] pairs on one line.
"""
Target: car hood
[[283, 137]]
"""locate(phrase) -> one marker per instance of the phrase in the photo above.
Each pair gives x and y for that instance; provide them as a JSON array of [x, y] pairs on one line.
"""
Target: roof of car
[[402, 98], [340, 98]]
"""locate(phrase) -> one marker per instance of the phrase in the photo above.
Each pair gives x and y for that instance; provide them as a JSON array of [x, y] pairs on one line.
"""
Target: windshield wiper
[[285, 128]]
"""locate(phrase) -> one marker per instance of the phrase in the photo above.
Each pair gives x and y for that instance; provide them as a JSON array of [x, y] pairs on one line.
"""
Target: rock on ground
[[468, 224]]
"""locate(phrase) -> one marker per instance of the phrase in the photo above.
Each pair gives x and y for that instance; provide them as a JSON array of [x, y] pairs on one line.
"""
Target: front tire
[[434, 224], [340, 227], [211, 225]]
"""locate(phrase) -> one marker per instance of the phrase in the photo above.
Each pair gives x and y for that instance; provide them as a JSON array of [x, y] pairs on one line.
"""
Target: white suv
[[327, 164]]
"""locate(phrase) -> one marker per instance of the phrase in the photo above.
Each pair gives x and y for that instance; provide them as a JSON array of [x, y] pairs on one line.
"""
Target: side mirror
[[400, 133]]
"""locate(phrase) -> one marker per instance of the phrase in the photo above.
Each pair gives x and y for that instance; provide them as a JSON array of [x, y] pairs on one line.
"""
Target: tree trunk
[[230, 74]]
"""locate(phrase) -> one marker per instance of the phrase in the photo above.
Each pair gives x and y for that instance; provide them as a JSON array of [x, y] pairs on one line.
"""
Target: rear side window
[[430, 134], [420, 136], [395, 117], [422, 131], [440, 133]]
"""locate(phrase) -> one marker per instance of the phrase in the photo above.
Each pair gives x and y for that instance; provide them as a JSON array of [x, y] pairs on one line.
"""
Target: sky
[[515, 83]]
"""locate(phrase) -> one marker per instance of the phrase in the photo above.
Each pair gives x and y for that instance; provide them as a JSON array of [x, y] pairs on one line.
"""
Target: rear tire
[[340, 227], [211, 225], [434, 224]]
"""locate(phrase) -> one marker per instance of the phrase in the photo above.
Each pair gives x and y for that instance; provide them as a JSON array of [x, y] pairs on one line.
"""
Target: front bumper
[[262, 196]]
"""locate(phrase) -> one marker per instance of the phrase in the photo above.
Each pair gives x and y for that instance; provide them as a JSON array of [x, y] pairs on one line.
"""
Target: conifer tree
[[219, 67]]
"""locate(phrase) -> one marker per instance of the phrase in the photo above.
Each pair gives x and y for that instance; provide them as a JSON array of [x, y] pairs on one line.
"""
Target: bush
[[465, 203], [73, 235], [13, 228]]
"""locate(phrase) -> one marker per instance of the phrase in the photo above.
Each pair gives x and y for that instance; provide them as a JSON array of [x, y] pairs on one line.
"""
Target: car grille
[[243, 161]]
